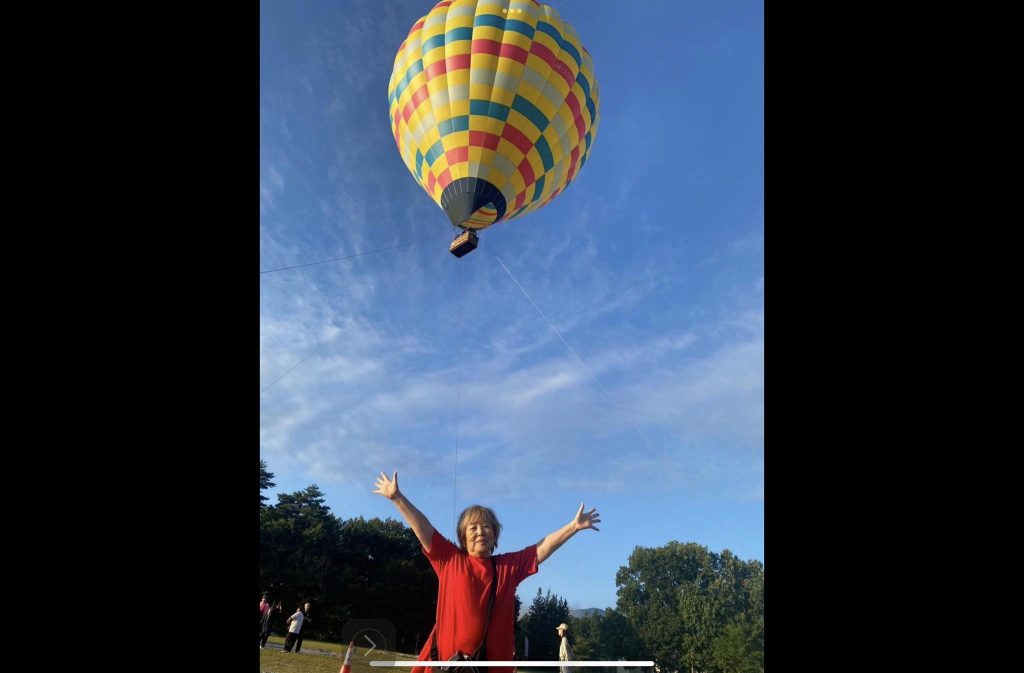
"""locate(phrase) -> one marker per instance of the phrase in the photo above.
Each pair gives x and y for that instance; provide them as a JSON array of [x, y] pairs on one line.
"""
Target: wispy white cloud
[[512, 402], [271, 184]]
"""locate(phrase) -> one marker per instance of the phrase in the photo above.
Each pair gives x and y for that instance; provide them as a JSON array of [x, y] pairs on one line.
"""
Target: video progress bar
[[521, 663]]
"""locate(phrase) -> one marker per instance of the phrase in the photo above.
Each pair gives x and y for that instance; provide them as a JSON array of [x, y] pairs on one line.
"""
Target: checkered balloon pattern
[[494, 107]]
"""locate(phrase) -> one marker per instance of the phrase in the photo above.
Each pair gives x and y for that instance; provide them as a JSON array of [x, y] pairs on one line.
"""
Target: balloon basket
[[464, 243]]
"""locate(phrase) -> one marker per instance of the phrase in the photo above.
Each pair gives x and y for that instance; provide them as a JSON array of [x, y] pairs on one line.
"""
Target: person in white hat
[[565, 649]]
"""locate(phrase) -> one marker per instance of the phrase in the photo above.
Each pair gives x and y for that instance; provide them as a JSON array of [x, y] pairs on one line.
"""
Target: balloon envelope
[[494, 107]]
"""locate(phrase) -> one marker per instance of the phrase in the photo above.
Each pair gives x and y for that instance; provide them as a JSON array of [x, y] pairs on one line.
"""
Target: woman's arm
[[419, 523], [583, 520]]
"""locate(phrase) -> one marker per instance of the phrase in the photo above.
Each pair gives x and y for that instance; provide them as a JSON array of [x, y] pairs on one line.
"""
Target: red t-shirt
[[464, 588]]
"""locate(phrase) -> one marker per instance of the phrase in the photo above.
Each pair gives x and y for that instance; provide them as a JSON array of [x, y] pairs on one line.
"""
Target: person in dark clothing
[[266, 626]]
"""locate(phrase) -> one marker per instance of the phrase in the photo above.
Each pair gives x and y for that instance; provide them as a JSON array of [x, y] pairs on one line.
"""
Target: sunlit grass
[[321, 657]]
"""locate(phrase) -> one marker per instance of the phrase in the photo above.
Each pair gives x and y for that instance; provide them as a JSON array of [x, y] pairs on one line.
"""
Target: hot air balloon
[[494, 108]]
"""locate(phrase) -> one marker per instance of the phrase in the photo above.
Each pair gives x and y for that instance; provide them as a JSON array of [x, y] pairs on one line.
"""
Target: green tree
[[586, 637], [386, 575], [620, 640], [346, 569], [546, 613], [300, 550], [737, 650], [606, 636], [517, 627], [680, 598], [265, 482]]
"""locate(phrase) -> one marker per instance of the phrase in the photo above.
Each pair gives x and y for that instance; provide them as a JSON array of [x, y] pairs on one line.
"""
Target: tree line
[[346, 568], [688, 609]]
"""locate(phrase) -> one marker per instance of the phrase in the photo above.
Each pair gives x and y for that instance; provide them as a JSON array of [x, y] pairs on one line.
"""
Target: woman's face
[[479, 536]]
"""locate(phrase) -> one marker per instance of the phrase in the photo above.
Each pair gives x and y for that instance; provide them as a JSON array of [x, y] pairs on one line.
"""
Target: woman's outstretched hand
[[583, 519], [387, 487]]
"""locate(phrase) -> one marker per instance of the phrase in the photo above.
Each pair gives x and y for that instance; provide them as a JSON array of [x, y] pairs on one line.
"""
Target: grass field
[[319, 657]]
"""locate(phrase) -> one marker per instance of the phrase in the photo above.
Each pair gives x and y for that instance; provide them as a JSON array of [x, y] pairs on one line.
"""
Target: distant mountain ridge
[[585, 612]]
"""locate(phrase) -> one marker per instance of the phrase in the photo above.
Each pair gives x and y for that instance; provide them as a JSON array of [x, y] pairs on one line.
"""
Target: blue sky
[[650, 266]]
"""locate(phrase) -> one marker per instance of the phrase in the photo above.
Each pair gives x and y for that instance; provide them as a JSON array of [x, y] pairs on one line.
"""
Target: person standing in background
[[305, 618], [294, 627], [565, 648]]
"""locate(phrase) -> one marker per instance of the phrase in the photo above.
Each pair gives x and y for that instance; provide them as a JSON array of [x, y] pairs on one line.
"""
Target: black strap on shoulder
[[482, 649]]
